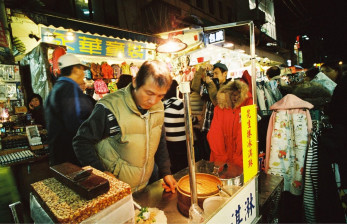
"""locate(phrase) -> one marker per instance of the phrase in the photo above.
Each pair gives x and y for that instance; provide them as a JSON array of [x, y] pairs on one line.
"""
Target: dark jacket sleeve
[[161, 157], [93, 130]]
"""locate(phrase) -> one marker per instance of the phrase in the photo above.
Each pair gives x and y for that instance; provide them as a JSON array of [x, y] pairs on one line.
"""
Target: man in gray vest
[[124, 135]]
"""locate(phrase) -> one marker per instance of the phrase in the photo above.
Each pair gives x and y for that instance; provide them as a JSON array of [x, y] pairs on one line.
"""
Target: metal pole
[[185, 89], [195, 212], [253, 71], [227, 25], [216, 27]]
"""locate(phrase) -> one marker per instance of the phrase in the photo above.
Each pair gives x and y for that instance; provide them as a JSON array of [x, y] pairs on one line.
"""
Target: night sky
[[317, 19]]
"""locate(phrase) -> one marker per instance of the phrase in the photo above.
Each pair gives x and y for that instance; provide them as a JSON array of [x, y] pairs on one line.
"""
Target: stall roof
[[91, 27]]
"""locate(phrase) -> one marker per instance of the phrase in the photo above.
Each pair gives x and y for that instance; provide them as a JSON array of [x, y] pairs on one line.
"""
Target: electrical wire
[[290, 9], [297, 9]]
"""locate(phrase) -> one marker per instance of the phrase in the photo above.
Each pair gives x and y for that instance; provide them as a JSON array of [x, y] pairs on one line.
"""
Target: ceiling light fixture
[[171, 45], [228, 44], [70, 36]]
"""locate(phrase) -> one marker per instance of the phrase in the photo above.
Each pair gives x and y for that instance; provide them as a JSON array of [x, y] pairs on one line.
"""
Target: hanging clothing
[[265, 96], [261, 97], [116, 71], [246, 77], [287, 140], [134, 70], [106, 71], [325, 81], [96, 71], [58, 51], [125, 68], [311, 179], [272, 86], [112, 86], [270, 100]]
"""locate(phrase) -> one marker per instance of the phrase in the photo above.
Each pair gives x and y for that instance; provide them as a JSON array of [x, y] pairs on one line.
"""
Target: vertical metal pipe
[[253, 71], [185, 90]]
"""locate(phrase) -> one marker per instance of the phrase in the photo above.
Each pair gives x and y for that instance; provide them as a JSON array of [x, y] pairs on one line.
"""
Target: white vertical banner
[[240, 209]]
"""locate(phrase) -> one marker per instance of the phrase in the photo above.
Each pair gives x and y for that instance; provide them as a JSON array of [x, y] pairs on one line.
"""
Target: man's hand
[[169, 184], [208, 79], [209, 67]]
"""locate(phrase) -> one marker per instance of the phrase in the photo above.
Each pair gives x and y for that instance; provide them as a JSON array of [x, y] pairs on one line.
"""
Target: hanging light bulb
[[171, 45], [70, 36]]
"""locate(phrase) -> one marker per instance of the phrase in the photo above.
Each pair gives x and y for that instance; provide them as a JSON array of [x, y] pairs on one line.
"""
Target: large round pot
[[232, 175], [233, 181], [206, 186]]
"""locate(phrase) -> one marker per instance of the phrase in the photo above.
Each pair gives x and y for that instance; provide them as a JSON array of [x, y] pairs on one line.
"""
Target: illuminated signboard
[[80, 43], [215, 37], [249, 141]]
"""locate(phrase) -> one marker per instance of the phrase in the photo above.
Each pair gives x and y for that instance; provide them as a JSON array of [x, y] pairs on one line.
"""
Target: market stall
[[22, 141], [248, 121], [23, 145], [246, 201]]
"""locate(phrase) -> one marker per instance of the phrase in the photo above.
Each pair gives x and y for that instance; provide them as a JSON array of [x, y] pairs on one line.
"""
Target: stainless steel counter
[[154, 196]]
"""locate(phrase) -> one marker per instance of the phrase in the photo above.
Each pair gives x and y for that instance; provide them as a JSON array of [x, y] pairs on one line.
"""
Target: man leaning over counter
[[125, 135]]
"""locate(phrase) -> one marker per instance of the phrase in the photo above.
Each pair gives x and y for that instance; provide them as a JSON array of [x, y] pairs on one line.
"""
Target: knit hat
[[221, 66]]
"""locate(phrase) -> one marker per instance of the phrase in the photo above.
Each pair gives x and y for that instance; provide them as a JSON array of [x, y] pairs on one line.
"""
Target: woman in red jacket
[[225, 136]]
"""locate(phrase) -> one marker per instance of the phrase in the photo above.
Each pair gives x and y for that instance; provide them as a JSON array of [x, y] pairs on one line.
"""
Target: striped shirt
[[174, 120]]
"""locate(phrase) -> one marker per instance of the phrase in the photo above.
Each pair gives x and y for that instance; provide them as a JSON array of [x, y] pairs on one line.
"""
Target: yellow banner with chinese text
[[249, 141]]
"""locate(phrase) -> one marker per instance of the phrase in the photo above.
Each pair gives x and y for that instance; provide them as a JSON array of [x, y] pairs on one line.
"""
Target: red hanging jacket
[[58, 51], [107, 71]]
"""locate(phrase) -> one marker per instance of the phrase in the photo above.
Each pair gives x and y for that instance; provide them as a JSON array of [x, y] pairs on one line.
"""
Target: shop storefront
[[23, 148]]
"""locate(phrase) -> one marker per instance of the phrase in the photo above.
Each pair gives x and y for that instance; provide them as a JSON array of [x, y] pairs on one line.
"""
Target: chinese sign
[[3, 40], [80, 43], [215, 37], [4, 50], [249, 141], [240, 209]]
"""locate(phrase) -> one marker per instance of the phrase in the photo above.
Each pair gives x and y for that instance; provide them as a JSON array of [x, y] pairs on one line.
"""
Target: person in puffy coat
[[225, 136]]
